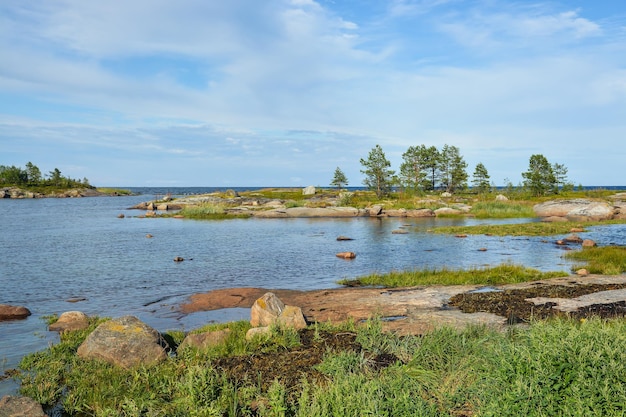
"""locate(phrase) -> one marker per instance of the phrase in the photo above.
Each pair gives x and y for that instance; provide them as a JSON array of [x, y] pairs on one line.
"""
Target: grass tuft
[[502, 274], [606, 260]]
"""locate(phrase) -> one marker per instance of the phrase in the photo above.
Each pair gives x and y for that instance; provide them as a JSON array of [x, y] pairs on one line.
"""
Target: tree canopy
[[30, 176]]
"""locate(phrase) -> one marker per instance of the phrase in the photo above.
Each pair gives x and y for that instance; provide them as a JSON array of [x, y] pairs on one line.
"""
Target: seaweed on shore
[[512, 303]]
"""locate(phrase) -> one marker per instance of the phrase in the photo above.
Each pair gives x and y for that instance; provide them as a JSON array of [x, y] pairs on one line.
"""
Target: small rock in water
[[120, 216], [340, 238], [346, 255], [178, 259], [148, 235]]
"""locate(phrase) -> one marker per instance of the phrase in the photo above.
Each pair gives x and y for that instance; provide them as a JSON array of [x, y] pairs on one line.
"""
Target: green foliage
[[606, 260], [539, 178], [480, 180], [378, 176], [31, 177], [501, 274], [558, 367], [452, 169], [339, 179], [413, 170]]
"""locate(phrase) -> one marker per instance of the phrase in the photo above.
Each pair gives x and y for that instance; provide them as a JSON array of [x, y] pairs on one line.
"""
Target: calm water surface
[[54, 250]]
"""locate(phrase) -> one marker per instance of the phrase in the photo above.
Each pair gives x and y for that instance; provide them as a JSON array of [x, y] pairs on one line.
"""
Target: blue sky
[[281, 92]]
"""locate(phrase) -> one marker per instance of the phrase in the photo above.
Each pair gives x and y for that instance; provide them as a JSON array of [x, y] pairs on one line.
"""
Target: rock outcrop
[[579, 209], [125, 342], [9, 312]]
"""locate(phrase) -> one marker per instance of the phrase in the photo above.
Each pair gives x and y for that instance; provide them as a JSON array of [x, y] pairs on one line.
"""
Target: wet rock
[[461, 235], [149, 236], [205, 340], [179, 259], [17, 406], [399, 232], [9, 312], [573, 238], [346, 255], [70, 321], [120, 216], [126, 342], [588, 243], [266, 310], [342, 238]]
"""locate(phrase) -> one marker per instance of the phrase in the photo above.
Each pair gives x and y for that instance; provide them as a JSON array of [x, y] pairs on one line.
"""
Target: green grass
[[553, 368], [207, 211], [502, 210], [606, 260], [522, 229], [502, 274]]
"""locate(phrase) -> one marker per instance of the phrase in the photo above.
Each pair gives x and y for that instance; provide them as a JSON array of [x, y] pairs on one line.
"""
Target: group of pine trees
[[31, 176], [426, 169]]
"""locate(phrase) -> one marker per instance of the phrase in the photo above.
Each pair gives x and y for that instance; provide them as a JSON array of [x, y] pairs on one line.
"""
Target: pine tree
[[413, 168], [452, 168], [339, 180], [378, 176], [539, 178], [481, 179]]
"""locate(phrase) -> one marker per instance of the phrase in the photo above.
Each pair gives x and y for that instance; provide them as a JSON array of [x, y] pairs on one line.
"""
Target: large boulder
[[578, 209], [9, 312], [125, 342], [269, 309], [70, 321], [310, 190], [12, 406], [266, 310]]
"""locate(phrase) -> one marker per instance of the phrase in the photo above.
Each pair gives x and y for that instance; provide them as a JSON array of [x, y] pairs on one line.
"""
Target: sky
[[282, 92]]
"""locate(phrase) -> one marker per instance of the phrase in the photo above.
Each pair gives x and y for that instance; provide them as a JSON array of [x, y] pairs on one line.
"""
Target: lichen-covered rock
[[125, 342], [17, 406], [266, 310], [292, 317]]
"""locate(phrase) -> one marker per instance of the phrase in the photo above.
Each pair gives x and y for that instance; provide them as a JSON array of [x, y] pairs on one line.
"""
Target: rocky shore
[[19, 193], [329, 205]]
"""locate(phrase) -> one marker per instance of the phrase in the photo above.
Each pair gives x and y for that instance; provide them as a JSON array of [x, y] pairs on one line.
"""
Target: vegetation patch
[[605, 260], [522, 229], [502, 210], [502, 274], [559, 367]]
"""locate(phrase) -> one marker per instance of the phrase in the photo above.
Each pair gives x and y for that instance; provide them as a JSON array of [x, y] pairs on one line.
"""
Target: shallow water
[[55, 250]]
